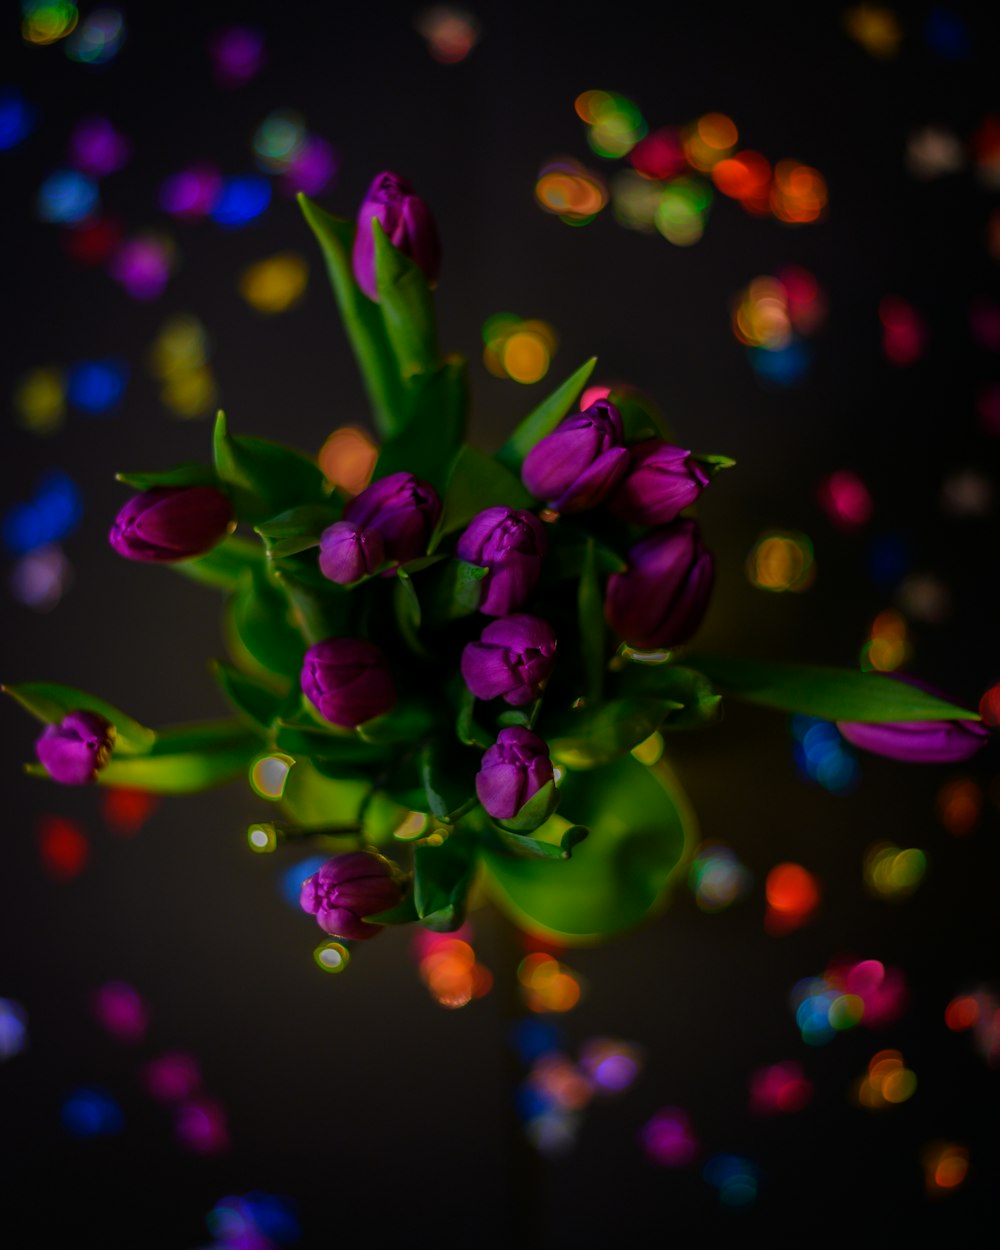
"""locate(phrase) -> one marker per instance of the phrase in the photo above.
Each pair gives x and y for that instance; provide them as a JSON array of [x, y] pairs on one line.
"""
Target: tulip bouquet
[[464, 676]]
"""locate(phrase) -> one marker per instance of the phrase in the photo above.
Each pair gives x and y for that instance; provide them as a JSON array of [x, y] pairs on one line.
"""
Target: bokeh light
[[612, 1065], [904, 332], [781, 560], [978, 1012], [875, 27], [448, 967], [67, 196], [332, 956], [798, 193], [548, 985], [179, 358], [311, 169], [886, 1083], [347, 459], [18, 118], [92, 1112], [734, 1177], [275, 284], [946, 1166], [959, 805], [142, 265], [717, 878], [125, 811], [451, 33], [242, 199], [846, 500], [97, 148], [888, 646], [40, 578], [792, 897], [516, 349], [269, 774], [570, 191], [192, 192], [846, 995], [13, 1029], [779, 1089], [172, 1077], [892, 873], [98, 39], [96, 386], [668, 1139], [47, 21], [615, 124], [238, 55], [51, 514], [120, 1011], [682, 211], [40, 400], [200, 1126], [63, 846], [660, 155], [932, 152]]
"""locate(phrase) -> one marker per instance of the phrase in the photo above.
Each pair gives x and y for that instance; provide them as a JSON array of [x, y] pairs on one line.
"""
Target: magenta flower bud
[[402, 509], [661, 597], [513, 770], [75, 750], [349, 887], [510, 543], [661, 482], [581, 462], [171, 523], [512, 660], [918, 741], [347, 680], [408, 224], [348, 552]]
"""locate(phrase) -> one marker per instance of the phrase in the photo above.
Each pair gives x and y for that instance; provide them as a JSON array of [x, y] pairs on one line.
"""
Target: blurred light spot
[[979, 1012], [785, 366], [290, 881], [887, 1082], [986, 146], [682, 211], [192, 192], [780, 561], [989, 707], [179, 358], [717, 878], [120, 1011], [547, 984], [262, 838], [53, 513], [875, 28], [634, 201], [41, 578], [946, 1165], [668, 1140], [332, 956], [237, 54], [650, 751], [822, 755], [125, 811], [932, 152], [734, 1177], [277, 140], [47, 21], [984, 323], [779, 1089], [893, 873], [242, 199], [200, 1126], [924, 597], [516, 349], [888, 646], [347, 459], [611, 1065], [967, 493], [962, 1013], [844, 996], [40, 400], [64, 847], [792, 897], [798, 193], [311, 169], [947, 34], [98, 39], [888, 559], [413, 825], [276, 284], [269, 774], [91, 1112], [254, 1221], [904, 332], [960, 805], [67, 196], [96, 386], [570, 191], [18, 118], [532, 1037], [142, 265], [614, 122], [448, 967], [97, 148], [846, 500], [13, 1029], [93, 241], [172, 1077], [451, 34], [660, 155], [988, 400], [745, 177]]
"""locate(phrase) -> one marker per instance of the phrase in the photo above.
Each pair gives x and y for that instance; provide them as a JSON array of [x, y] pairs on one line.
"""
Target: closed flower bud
[[510, 543], [919, 741], [172, 523], [347, 680], [513, 770], [349, 887], [581, 462], [75, 750], [402, 509], [661, 482], [408, 225], [348, 552], [661, 597], [512, 660]]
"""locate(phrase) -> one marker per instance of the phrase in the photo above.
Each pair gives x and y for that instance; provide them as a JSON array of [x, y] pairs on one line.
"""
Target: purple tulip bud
[[349, 887], [510, 543], [661, 597], [512, 660], [348, 552], [402, 509], [513, 770], [408, 224], [581, 462], [348, 681], [171, 523], [918, 741], [76, 749], [661, 482]]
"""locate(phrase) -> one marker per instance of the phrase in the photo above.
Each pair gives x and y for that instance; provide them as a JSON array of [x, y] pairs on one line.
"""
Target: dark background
[[358, 1096]]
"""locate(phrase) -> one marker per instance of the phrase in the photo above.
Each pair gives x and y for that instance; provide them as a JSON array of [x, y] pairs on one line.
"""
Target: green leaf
[[441, 879], [698, 702], [449, 779], [568, 553], [641, 831], [535, 812], [224, 565], [590, 615], [361, 317], [477, 482], [829, 693], [264, 478], [179, 475], [408, 722], [406, 605], [554, 839], [260, 629], [467, 730], [403, 913], [407, 308], [438, 412], [451, 590], [316, 802], [544, 419], [296, 530], [255, 700], [588, 737], [641, 418], [50, 702], [319, 608], [714, 464], [212, 735], [183, 771]]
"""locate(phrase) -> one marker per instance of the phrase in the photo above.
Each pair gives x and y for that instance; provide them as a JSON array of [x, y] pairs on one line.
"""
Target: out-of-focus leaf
[[264, 478], [714, 464], [451, 590], [179, 475], [408, 721], [50, 702], [588, 737], [297, 529], [554, 839], [640, 831], [429, 442], [467, 730], [535, 812], [449, 779], [544, 419], [224, 565], [568, 553], [315, 801], [477, 482], [256, 701], [829, 693], [319, 608], [441, 879], [407, 308], [183, 771], [403, 913], [590, 615], [700, 704], [259, 621], [641, 418]]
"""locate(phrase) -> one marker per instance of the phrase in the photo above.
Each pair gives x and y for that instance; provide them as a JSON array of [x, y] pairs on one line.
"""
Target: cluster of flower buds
[[391, 520]]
